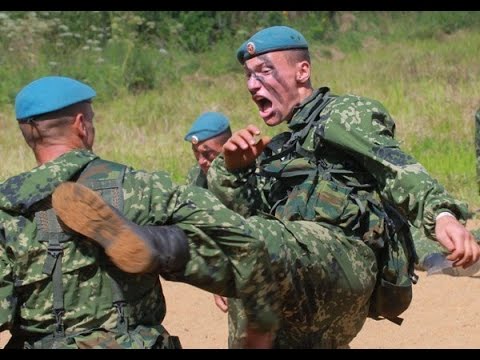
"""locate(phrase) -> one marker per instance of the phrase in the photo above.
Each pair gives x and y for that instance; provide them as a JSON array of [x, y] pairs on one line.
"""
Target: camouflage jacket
[[225, 259], [348, 144], [196, 177]]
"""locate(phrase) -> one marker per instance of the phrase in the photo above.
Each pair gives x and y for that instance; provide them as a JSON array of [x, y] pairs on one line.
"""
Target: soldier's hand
[[464, 251], [221, 302], [243, 148]]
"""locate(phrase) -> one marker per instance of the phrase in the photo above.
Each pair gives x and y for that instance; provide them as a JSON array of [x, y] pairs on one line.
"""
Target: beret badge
[[251, 48]]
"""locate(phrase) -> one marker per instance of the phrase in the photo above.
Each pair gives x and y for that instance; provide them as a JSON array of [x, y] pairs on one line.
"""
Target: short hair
[[297, 55]]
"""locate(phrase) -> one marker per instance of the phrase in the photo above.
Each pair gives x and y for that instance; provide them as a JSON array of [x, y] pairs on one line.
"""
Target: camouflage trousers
[[325, 281]]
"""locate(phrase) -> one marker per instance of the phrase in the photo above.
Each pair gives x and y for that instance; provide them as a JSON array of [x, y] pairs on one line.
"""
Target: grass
[[425, 73]]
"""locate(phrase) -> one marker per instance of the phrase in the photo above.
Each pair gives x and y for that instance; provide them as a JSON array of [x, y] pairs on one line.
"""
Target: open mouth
[[264, 105]]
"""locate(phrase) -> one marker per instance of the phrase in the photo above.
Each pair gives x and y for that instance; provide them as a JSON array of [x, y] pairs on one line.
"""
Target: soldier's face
[[271, 80], [206, 151]]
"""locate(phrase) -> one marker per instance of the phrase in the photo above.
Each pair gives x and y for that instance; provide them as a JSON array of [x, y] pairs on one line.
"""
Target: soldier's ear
[[303, 72], [79, 124]]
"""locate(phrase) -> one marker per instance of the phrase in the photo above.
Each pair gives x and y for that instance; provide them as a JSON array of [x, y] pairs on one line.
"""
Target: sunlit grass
[[430, 84]]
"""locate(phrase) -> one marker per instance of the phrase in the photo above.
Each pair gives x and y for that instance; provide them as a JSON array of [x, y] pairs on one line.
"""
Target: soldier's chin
[[272, 120]]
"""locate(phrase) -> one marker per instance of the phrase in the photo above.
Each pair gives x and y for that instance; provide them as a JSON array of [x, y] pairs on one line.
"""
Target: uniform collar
[[302, 112]]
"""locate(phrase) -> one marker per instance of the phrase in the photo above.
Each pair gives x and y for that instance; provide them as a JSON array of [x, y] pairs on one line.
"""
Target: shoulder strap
[[111, 190], [292, 142], [105, 177], [289, 145], [99, 175]]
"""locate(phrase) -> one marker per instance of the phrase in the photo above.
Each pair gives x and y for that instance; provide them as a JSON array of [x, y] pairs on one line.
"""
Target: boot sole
[[86, 212]]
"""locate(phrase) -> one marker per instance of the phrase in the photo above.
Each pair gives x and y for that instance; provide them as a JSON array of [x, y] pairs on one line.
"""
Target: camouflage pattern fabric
[[196, 177], [225, 259], [325, 280], [424, 246], [352, 128], [355, 134]]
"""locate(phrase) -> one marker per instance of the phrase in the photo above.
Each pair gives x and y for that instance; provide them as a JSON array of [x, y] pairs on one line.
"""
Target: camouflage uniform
[[328, 271], [225, 258], [196, 177]]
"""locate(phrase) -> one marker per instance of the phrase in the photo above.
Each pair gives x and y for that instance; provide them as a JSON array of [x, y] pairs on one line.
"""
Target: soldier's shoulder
[[349, 101], [140, 178]]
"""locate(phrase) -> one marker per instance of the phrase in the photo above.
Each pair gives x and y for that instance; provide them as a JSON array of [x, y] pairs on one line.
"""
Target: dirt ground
[[445, 313]]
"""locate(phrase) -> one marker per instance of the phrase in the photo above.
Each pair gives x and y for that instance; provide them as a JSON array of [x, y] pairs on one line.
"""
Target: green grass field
[[421, 67]]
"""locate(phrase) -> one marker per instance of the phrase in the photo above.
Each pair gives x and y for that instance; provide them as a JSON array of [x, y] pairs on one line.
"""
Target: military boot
[[132, 248]]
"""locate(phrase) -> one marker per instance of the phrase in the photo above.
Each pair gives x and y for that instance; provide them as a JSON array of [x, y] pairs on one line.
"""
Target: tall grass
[[423, 66]]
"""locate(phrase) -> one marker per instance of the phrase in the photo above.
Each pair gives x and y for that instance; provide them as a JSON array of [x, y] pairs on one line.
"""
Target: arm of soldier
[[239, 190], [192, 175], [231, 176], [243, 148], [464, 250], [7, 295], [401, 178]]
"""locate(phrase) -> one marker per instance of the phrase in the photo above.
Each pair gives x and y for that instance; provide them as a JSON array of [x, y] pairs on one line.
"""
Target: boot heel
[[86, 212]]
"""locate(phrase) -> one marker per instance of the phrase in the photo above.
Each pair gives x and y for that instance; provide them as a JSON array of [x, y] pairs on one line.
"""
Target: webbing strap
[[53, 267], [293, 143], [50, 230], [119, 303], [112, 192], [58, 306]]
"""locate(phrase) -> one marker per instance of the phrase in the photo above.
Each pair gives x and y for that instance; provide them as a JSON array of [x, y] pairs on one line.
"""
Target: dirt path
[[445, 314]]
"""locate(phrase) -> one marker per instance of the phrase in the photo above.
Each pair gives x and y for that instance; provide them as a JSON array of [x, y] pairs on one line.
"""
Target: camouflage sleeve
[[192, 175], [7, 296], [238, 190], [225, 257], [365, 129], [196, 177]]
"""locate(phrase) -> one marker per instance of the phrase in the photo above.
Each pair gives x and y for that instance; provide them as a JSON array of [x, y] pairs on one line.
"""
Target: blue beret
[[274, 38], [206, 126], [49, 94]]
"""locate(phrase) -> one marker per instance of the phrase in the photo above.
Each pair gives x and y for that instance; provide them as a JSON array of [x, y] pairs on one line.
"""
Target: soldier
[[58, 290], [332, 174], [207, 134]]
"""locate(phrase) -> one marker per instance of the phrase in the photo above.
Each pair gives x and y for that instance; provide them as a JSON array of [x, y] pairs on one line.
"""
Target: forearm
[[422, 199], [400, 178], [236, 190]]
